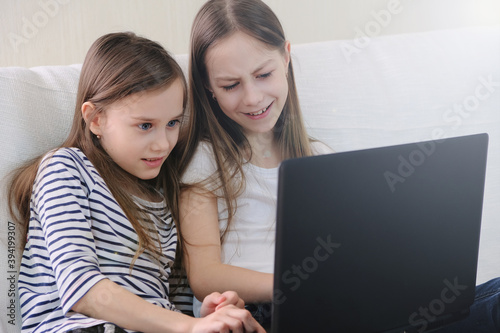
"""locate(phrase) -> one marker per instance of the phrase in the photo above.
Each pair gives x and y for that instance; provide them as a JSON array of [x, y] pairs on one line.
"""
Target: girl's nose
[[253, 95], [161, 141]]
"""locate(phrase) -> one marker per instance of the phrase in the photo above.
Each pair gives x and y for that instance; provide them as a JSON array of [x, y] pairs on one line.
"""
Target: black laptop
[[379, 240]]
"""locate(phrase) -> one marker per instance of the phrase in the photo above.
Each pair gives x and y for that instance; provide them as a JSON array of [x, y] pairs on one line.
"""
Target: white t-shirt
[[249, 243]]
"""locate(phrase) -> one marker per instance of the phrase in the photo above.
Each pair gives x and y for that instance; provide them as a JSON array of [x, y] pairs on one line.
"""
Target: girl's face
[[249, 81], [139, 131]]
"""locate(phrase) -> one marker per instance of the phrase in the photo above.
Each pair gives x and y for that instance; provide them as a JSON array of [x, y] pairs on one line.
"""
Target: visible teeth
[[257, 113]]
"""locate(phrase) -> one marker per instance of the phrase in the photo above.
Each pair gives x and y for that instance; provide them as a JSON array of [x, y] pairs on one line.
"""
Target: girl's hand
[[216, 301], [226, 319]]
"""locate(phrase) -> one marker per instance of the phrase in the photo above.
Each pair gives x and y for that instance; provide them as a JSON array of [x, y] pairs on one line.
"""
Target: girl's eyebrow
[[180, 115], [258, 69], [146, 119]]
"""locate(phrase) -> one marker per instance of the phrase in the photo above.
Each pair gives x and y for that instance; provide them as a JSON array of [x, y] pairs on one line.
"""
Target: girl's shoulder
[[65, 153], [205, 148], [203, 154], [320, 148], [202, 164], [68, 160], [66, 157]]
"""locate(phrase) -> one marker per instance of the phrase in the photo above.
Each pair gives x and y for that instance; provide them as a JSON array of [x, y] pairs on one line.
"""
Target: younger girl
[[245, 119], [101, 236]]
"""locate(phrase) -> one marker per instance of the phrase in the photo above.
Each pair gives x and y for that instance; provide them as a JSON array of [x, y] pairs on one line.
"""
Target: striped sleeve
[[60, 199]]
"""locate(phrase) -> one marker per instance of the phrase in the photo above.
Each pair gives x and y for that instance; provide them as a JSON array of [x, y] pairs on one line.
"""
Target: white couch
[[355, 94]]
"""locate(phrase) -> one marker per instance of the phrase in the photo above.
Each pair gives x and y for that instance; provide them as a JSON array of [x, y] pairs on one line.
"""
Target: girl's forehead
[[137, 102], [125, 102], [239, 51]]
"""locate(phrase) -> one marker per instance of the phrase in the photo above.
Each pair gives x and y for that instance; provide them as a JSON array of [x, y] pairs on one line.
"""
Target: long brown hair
[[117, 65], [218, 19]]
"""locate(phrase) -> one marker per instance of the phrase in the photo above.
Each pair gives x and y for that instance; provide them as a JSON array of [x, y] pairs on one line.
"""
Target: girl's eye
[[263, 76], [172, 123], [227, 88], [145, 126]]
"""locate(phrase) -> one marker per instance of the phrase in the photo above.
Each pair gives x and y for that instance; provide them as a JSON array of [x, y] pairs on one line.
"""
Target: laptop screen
[[382, 239]]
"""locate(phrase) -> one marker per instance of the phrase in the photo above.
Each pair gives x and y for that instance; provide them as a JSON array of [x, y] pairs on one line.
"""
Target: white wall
[[59, 32]]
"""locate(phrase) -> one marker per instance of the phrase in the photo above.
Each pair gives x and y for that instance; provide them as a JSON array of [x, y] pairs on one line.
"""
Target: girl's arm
[[200, 229], [108, 301]]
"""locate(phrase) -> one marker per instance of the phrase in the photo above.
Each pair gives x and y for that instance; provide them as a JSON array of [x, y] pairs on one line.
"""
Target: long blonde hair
[[216, 20], [117, 65]]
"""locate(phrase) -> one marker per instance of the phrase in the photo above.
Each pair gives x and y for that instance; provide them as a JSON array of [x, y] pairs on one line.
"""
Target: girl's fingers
[[249, 324], [230, 297]]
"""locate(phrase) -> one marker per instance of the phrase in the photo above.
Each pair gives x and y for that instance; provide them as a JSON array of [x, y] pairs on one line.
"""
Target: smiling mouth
[[258, 113], [153, 161]]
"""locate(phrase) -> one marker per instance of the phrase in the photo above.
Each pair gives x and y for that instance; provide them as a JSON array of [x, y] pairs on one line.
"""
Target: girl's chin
[[259, 133], [261, 128]]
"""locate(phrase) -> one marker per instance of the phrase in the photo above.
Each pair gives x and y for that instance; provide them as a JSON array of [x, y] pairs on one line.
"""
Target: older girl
[[245, 119]]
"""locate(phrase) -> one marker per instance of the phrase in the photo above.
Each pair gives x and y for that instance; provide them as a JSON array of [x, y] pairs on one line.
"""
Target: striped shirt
[[79, 235]]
